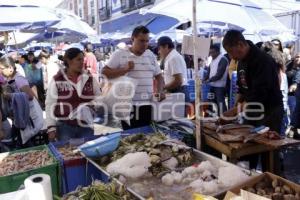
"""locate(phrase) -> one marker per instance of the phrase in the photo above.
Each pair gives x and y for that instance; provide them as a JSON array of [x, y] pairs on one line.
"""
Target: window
[[92, 3], [71, 6], [129, 5], [93, 20], [80, 12], [105, 10]]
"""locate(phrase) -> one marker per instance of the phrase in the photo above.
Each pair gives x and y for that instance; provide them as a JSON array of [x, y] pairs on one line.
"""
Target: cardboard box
[[253, 181], [245, 195]]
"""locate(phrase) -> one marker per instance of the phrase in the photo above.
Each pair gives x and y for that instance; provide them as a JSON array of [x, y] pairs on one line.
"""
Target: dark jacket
[[258, 80], [293, 75]]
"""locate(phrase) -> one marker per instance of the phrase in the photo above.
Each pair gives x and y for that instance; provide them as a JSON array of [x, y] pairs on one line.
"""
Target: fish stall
[[155, 166]]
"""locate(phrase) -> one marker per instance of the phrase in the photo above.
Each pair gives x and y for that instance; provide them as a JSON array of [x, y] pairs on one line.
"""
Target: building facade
[[87, 10]]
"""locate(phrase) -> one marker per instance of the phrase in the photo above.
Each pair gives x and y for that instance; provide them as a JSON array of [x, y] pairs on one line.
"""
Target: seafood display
[[69, 152], [156, 167], [165, 154], [274, 189], [24, 161], [203, 178], [98, 190]]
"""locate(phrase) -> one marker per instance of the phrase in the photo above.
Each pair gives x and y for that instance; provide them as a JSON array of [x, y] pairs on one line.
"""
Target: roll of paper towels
[[38, 187]]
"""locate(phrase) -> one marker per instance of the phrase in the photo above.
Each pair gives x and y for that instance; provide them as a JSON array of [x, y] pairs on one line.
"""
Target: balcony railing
[[129, 5], [104, 13], [143, 3]]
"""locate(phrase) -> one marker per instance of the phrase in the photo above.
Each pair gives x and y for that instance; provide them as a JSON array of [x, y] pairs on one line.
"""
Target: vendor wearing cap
[[175, 73]]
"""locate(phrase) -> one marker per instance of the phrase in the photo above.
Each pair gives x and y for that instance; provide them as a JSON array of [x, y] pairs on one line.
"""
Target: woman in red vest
[[70, 90]]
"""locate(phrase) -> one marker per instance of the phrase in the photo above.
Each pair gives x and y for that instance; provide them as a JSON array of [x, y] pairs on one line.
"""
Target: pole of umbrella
[[15, 41], [197, 79]]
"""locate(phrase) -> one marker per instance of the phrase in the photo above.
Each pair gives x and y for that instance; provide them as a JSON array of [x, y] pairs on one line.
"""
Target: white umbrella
[[175, 34], [16, 17], [213, 29], [72, 23], [19, 38], [242, 13]]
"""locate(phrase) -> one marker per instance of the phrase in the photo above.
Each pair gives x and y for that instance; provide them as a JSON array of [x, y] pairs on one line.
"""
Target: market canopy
[[241, 13], [30, 18], [155, 23], [70, 22], [26, 17]]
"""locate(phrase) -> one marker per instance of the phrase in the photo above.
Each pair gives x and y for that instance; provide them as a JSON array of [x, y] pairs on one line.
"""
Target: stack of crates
[[205, 91], [191, 90], [205, 88], [233, 89]]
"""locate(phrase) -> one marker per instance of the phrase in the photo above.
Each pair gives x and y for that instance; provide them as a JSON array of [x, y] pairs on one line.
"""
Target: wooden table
[[235, 150]]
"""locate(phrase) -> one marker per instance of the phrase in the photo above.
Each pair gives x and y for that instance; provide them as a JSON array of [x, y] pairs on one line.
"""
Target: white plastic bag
[[36, 116], [118, 95], [83, 113]]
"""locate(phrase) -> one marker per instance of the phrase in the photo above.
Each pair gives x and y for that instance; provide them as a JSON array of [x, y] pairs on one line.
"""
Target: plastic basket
[[14, 182], [73, 171], [149, 130], [101, 146]]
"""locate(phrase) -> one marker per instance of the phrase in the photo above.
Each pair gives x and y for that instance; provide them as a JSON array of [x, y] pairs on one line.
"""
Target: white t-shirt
[[175, 64], [145, 69], [284, 89], [20, 70]]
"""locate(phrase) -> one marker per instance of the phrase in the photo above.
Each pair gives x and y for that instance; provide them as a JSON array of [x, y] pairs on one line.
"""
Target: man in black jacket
[[258, 81], [258, 85]]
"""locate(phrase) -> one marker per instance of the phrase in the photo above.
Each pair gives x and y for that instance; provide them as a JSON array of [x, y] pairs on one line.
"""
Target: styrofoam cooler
[[233, 89], [170, 108]]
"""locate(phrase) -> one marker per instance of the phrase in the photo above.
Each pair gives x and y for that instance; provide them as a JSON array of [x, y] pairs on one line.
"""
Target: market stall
[[236, 140], [142, 163]]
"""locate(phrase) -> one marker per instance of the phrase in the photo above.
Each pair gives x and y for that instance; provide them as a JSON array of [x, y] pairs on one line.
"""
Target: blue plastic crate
[[205, 89], [73, 171], [233, 89], [192, 97], [93, 173], [191, 82]]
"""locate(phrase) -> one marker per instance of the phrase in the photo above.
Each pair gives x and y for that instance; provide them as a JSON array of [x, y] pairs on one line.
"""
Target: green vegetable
[[99, 191]]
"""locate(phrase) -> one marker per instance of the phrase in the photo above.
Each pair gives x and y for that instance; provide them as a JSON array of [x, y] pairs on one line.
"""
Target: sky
[[44, 3]]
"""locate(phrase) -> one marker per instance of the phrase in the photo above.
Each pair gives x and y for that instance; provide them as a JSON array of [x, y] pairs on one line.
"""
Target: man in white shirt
[[175, 70], [218, 72], [140, 63]]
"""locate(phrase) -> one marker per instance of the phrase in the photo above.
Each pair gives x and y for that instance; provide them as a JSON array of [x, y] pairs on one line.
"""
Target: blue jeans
[[292, 105], [284, 123], [296, 114], [66, 132], [219, 98]]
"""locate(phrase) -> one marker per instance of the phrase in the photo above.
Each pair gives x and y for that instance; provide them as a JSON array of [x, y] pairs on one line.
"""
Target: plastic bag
[[36, 115], [83, 113], [118, 95]]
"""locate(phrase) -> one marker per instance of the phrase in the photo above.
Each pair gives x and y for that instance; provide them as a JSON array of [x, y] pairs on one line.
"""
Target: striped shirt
[[145, 69]]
